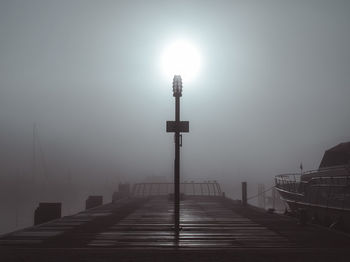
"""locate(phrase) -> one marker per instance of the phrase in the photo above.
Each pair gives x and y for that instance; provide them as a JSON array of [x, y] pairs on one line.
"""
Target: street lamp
[[177, 86], [177, 127]]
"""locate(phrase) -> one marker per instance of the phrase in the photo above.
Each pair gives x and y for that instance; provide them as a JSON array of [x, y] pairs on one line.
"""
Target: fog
[[273, 91]]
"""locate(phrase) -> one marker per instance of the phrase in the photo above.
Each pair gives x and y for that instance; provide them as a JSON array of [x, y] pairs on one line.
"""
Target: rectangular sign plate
[[173, 126]]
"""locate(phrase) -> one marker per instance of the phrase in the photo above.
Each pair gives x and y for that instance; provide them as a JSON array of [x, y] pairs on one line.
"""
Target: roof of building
[[337, 155]]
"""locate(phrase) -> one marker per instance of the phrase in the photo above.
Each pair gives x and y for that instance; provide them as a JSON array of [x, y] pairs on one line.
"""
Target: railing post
[[208, 188], [213, 186]]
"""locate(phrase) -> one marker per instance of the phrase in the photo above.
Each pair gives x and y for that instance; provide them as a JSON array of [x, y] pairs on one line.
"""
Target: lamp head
[[177, 86]]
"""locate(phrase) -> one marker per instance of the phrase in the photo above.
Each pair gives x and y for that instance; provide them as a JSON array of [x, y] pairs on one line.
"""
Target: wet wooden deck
[[213, 229]]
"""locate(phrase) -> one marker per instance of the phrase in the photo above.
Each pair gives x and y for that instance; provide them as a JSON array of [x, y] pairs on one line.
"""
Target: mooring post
[[244, 193]]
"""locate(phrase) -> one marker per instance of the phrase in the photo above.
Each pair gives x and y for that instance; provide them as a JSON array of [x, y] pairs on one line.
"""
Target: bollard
[[93, 201], [124, 189], [123, 192], [244, 193], [46, 212]]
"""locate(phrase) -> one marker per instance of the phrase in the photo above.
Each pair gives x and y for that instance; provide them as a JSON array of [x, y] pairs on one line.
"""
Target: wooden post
[[244, 193]]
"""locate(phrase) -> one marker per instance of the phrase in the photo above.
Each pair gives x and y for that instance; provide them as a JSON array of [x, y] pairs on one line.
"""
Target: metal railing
[[330, 176], [207, 188], [327, 187], [341, 170], [289, 182]]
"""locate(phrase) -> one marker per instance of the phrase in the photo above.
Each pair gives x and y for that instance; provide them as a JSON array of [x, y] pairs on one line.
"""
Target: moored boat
[[323, 194]]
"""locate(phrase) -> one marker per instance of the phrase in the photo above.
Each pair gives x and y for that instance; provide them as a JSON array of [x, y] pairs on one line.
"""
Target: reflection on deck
[[205, 223]]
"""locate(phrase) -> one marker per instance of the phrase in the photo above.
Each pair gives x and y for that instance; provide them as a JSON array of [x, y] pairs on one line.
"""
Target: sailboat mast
[[34, 152]]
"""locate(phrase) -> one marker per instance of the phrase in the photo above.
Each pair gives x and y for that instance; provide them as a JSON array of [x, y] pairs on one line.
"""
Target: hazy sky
[[273, 89]]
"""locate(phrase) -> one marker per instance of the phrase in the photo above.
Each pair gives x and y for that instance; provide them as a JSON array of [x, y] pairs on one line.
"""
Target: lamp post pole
[[177, 168], [177, 127]]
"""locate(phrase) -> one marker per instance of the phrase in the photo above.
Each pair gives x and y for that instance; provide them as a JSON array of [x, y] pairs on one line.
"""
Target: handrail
[[330, 168], [207, 188], [323, 172], [328, 187]]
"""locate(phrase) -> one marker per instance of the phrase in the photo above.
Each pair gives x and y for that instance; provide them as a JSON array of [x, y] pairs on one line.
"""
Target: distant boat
[[323, 194]]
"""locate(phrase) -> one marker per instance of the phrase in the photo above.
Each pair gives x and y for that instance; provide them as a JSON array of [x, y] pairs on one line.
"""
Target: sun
[[181, 57]]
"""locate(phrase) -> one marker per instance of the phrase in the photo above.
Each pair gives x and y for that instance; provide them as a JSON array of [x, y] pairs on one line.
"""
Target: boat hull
[[322, 199], [319, 213]]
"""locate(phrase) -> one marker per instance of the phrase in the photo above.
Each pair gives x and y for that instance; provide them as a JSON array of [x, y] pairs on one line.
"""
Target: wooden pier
[[213, 228]]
